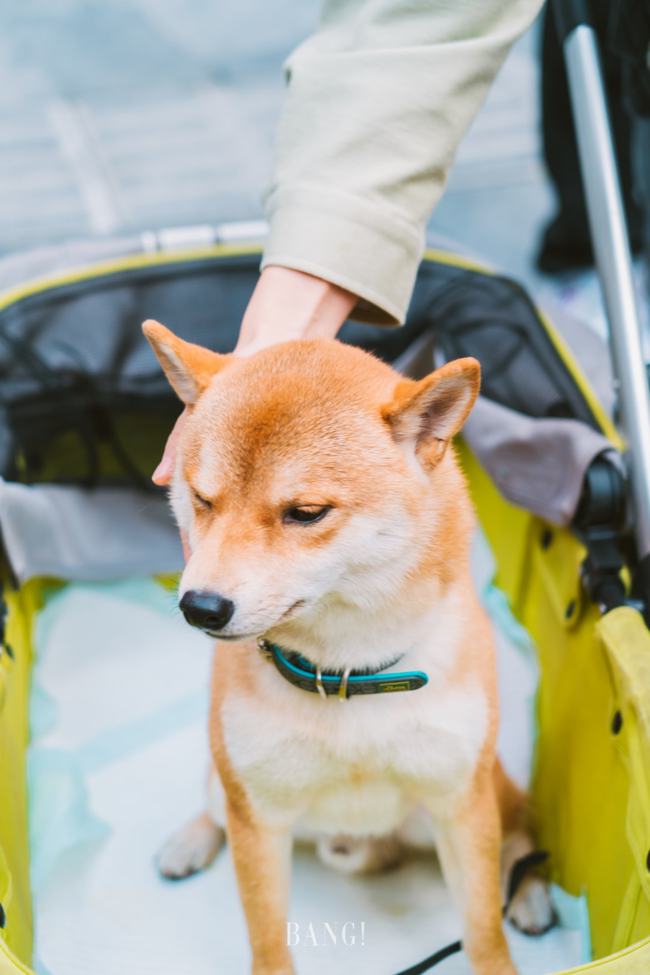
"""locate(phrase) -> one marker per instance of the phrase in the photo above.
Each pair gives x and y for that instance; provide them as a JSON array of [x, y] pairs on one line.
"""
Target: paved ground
[[131, 114]]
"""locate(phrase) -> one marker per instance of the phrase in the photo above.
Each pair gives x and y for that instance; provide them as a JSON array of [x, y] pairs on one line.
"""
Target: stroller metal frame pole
[[612, 250]]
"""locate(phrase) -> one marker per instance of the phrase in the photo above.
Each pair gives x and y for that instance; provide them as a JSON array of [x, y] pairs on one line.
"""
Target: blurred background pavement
[[131, 115]]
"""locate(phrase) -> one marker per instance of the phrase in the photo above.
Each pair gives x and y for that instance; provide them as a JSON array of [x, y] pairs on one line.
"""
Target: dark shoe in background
[[566, 242]]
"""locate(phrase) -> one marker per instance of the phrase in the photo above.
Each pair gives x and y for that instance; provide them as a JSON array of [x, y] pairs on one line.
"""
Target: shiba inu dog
[[354, 688]]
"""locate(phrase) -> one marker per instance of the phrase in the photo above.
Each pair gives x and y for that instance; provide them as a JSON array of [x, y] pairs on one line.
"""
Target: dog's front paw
[[359, 854], [531, 910], [191, 849]]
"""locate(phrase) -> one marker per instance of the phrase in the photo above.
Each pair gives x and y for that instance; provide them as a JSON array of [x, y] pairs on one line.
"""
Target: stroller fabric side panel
[[15, 663], [591, 806]]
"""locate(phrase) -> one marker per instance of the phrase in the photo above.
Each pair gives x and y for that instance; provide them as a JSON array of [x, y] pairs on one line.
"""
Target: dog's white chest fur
[[356, 767]]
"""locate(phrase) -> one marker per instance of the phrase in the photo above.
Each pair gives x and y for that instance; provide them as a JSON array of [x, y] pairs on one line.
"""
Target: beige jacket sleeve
[[377, 102]]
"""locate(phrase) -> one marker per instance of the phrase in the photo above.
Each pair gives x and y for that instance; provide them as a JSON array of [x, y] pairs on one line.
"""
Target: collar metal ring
[[343, 686], [319, 684]]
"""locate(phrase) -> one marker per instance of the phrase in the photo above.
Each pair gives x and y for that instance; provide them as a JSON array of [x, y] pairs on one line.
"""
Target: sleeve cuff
[[349, 242]]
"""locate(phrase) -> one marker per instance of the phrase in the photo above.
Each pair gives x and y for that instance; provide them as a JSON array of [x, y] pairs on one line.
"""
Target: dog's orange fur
[[320, 416]]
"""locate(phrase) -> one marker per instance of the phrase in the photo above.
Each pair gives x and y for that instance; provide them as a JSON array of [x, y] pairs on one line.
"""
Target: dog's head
[[308, 475]]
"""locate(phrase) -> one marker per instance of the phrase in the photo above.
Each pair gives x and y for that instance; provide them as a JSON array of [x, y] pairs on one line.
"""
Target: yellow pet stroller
[[562, 493]]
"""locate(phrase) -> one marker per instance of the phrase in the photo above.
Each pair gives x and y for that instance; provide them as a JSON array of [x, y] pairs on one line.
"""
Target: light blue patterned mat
[[118, 761]]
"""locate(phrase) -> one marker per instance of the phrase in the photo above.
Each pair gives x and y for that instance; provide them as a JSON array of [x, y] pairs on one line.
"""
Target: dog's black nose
[[207, 610]]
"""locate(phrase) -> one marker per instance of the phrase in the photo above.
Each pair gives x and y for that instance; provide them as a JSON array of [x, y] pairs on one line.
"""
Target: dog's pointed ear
[[188, 367], [434, 408]]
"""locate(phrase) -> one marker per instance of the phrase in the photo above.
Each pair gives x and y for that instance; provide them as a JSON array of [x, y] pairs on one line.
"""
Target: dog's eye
[[305, 514], [202, 502]]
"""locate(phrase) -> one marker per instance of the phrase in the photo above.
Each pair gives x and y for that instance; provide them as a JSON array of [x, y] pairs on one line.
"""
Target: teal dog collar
[[302, 673]]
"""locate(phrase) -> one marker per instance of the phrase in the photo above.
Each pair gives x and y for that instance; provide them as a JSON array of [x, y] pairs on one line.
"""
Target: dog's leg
[[531, 910], [192, 848], [262, 858], [469, 849]]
